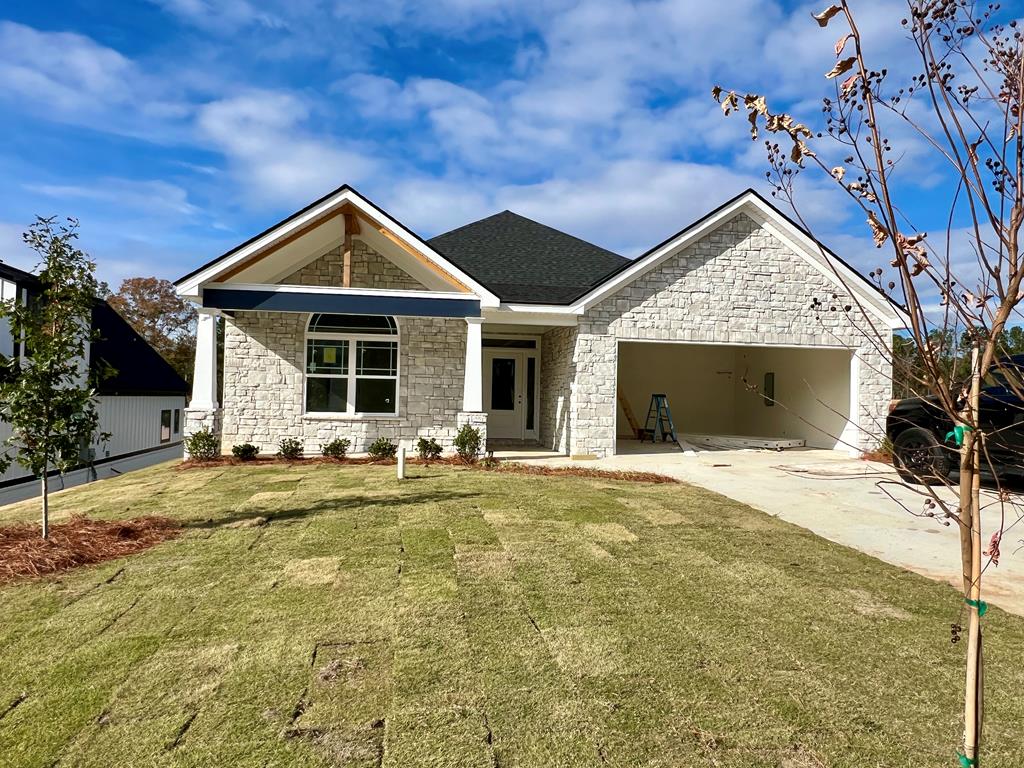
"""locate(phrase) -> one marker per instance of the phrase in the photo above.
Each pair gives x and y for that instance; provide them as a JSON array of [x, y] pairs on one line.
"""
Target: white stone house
[[341, 322]]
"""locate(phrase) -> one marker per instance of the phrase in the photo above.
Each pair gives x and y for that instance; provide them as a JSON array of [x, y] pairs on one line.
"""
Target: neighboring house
[[141, 405], [341, 322]]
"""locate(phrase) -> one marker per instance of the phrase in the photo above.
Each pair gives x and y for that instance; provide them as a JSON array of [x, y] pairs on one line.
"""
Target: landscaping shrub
[[467, 443], [289, 448], [382, 448], [245, 451], [337, 448], [429, 450], [202, 445]]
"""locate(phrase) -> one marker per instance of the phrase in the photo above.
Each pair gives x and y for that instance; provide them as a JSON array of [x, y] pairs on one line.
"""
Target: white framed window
[[352, 365], [165, 426]]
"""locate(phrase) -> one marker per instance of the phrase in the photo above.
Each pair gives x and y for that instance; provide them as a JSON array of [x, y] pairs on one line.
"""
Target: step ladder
[[659, 420], [634, 425]]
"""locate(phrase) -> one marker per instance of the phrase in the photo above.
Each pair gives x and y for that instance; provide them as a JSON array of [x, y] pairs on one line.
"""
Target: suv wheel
[[920, 458]]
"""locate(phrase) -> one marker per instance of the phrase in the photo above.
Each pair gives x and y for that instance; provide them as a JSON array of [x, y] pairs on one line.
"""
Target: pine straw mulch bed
[[487, 465], [80, 541], [602, 474], [879, 454]]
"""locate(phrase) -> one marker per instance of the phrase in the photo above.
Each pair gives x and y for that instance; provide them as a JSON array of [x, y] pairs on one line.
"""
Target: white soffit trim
[[842, 276], [190, 286], [512, 314]]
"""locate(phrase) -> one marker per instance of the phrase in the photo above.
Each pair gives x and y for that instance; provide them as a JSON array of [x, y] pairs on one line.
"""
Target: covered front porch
[[336, 323], [382, 365]]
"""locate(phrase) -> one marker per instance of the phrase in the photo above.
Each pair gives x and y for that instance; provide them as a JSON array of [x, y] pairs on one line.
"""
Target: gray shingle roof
[[521, 260]]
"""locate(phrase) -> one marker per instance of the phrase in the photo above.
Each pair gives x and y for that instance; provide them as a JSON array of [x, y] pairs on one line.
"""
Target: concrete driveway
[[838, 498]]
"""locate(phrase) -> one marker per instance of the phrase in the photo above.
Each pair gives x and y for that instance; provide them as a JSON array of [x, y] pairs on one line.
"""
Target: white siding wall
[[132, 420]]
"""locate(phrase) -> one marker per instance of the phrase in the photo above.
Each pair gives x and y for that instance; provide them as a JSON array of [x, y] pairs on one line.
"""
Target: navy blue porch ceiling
[[351, 304]]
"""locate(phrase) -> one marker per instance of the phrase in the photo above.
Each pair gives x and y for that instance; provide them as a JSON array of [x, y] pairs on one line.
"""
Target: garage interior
[[714, 406]]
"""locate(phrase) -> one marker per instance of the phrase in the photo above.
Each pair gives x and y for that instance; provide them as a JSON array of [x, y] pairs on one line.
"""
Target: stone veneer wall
[[264, 359], [557, 372], [369, 270], [737, 285]]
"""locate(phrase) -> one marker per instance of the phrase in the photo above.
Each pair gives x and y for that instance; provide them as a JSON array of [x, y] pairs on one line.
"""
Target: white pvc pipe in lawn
[[401, 462]]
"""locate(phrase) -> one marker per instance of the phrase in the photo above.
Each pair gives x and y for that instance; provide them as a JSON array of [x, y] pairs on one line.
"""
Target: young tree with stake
[[46, 392], [964, 102]]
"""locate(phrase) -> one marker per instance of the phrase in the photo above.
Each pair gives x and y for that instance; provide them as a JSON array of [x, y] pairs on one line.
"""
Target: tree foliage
[[155, 311], [952, 356], [47, 392]]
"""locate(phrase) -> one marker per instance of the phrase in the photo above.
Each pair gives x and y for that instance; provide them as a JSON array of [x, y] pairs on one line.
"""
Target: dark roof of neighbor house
[[19, 276], [523, 261], [138, 368]]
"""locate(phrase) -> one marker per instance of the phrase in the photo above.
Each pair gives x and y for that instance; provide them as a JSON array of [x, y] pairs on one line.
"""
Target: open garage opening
[[777, 396]]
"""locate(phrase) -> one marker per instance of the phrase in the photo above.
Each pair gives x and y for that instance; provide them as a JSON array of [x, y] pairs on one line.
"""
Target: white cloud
[[70, 78], [221, 15], [64, 71], [153, 196], [273, 157], [630, 205], [627, 206]]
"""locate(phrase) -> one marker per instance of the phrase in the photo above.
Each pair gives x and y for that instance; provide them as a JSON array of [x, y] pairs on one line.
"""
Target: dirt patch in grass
[[585, 651], [80, 541], [609, 533], [599, 552], [249, 522], [867, 604], [484, 563], [655, 513], [313, 571]]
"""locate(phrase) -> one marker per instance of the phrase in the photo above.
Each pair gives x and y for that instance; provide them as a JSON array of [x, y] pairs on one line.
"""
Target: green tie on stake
[[957, 434], [981, 605], [965, 761]]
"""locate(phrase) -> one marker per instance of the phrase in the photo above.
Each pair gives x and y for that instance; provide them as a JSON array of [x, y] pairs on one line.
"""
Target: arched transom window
[[352, 365]]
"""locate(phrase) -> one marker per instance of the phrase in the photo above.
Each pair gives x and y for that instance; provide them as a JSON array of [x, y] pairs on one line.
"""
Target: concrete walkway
[[838, 498]]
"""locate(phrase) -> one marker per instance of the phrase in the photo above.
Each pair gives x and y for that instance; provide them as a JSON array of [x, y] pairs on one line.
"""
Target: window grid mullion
[[350, 407]]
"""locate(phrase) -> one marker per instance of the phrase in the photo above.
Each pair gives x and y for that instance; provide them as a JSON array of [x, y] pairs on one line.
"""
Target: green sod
[[466, 618]]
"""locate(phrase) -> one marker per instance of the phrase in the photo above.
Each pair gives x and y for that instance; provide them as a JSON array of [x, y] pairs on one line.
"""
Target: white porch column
[[204, 379], [472, 391]]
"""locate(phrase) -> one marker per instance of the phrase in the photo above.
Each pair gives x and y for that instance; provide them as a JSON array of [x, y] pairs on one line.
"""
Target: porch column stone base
[[478, 420], [196, 419]]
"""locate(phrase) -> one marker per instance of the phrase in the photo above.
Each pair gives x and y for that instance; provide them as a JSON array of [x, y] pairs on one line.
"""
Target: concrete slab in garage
[[761, 391]]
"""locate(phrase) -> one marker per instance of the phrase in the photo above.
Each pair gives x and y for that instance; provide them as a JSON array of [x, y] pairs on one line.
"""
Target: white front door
[[504, 382]]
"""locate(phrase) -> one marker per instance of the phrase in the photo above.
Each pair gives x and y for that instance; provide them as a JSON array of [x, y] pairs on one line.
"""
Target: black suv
[[924, 443]]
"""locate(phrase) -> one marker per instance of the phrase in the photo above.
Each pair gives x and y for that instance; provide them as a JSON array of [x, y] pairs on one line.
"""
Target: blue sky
[[174, 129]]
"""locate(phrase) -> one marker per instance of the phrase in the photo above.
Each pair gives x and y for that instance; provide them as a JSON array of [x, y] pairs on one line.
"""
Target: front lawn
[[324, 615]]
